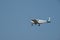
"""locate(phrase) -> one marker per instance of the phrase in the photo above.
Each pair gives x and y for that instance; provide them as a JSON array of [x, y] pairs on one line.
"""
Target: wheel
[[38, 24], [32, 24]]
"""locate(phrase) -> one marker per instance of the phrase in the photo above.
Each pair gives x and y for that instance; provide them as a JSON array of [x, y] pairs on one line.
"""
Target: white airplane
[[38, 21]]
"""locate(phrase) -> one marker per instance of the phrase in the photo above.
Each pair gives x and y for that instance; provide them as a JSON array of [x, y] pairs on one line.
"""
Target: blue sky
[[15, 17]]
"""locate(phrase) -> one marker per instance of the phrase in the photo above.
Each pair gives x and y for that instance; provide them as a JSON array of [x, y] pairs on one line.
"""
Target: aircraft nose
[[32, 22]]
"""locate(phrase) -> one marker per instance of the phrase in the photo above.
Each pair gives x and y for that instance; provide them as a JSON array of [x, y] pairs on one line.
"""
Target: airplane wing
[[35, 21]]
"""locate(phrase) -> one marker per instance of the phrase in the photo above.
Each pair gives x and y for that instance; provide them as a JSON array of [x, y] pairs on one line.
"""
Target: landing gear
[[32, 24], [38, 24], [35, 24]]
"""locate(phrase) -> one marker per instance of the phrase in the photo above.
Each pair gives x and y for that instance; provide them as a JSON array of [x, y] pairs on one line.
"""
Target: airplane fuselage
[[38, 21], [42, 21]]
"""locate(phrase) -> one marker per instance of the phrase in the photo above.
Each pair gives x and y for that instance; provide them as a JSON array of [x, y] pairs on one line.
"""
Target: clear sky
[[15, 17]]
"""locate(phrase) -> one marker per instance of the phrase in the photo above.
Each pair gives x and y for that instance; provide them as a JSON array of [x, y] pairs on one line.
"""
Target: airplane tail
[[49, 20]]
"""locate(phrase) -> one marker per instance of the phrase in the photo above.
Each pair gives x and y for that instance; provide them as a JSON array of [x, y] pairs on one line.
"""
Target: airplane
[[39, 21]]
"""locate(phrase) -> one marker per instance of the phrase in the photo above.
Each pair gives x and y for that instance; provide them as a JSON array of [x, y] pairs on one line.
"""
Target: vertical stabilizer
[[48, 21]]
